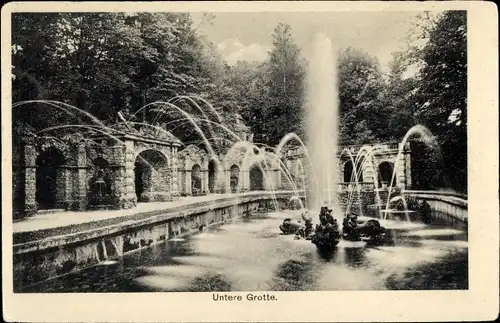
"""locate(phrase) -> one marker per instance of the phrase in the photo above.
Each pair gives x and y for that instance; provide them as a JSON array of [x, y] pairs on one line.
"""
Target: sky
[[247, 36]]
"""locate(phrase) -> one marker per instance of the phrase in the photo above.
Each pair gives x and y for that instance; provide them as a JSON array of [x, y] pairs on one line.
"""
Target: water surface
[[250, 254]]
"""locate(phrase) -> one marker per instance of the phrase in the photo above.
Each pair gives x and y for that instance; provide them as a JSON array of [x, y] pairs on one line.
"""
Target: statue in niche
[[100, 188]]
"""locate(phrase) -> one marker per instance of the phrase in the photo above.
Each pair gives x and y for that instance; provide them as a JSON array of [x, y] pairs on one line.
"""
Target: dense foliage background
[[103, 63]]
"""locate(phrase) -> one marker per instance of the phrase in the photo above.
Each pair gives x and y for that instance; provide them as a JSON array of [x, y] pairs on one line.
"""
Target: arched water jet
[[189, 117], [56, 105], [191, 99], [259, 160], [162, 111], [424, 134], [293, 136], [356, 177], [364, 154]]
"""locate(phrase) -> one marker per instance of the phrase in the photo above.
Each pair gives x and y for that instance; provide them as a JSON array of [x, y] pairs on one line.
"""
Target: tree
[[362, 116], [103, 63], [442, 97], [282, 111], [435, 96], [398, 97]]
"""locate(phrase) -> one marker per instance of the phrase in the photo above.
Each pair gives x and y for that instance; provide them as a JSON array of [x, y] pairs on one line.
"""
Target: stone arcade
[[124, 167], [374, 169], [127, 166]]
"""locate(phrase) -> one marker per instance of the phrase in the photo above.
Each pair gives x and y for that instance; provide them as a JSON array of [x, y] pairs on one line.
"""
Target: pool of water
[[250, 254]]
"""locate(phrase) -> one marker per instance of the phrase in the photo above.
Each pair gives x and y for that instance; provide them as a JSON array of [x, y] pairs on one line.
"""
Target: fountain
[[322, 123]]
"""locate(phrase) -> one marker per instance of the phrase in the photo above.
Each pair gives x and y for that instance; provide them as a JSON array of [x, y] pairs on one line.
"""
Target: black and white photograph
[[238, 151]]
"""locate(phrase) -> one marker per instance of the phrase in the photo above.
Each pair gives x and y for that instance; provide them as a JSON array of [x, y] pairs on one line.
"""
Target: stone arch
[[192, 155], [151, 176], [50, 178], [157, 151], [256, 178], [349, 173], [188, 158], [234, 178], [385, 170], [235, 156]]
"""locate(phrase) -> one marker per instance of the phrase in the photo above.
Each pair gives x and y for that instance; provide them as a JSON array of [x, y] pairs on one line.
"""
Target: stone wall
[[39, 260], [115, 161], [447, 208]]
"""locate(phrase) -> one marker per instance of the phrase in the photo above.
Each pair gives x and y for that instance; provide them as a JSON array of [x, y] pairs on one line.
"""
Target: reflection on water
[[251, 255]]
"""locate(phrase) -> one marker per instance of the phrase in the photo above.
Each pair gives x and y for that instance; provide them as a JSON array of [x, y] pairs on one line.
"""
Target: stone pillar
[[61, 187], [18, 178], [277, 179], [129, 180], [244, 182], [81, 189], [400, 172], [368, 171], [123, 190], [375, 176], [204, 181], [408, 183], [220, 180], [227, 181], [183, 181], [174, 187], [30, 155], [174, 174], [189, 191]]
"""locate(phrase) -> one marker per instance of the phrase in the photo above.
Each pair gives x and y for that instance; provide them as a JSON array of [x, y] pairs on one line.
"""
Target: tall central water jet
[[322, 127]]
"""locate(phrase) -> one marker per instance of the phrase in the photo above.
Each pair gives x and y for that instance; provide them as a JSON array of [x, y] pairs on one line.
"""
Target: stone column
[[375, 176], [122, 163], [174, 187], [408, 169], [189, 191], [204, 185], [220, 180], [368, 171], [18, 178], [277, 179], [400, 172], [129, 172], [174, 176], [61, 187], [227, 181], [244, 182], [80, 191], [30, 155]]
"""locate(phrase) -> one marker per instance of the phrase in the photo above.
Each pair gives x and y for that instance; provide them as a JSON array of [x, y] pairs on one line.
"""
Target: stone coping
[[456, 199], [28, 241]]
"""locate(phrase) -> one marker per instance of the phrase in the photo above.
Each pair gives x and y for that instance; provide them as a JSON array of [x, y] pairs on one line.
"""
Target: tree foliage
[[442, 95], [103, 63], [281, 111], [360, 88], [433, 94]]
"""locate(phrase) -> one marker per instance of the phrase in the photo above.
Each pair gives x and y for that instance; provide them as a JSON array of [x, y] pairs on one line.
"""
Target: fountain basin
[[61, 250]]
